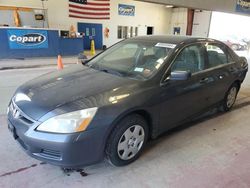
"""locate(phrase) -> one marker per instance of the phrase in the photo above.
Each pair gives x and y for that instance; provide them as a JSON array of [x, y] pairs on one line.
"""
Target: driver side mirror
[[180, 75]]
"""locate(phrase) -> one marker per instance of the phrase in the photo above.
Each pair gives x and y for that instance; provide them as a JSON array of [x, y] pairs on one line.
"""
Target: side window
[[190, 59], [216, 55]]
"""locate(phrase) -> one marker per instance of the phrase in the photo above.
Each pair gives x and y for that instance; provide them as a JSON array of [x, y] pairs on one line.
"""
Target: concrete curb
[[38, 65], [32, 66]]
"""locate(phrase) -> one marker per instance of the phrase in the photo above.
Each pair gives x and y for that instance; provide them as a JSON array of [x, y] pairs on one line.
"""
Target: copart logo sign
[[27, 39], [126, 10]]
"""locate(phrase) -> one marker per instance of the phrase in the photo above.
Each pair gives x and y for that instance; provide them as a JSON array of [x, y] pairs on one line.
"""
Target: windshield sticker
[[165, 45], [160, 61], [138, 69]]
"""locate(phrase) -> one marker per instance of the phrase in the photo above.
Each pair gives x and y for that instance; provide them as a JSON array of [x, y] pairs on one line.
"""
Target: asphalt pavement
[[6, 64]]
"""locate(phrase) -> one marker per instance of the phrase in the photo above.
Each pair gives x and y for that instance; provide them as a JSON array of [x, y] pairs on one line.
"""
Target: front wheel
[[127, 140], [230, 97]]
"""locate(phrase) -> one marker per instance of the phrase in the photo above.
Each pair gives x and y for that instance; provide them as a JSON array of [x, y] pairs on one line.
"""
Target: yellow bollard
[[92, 47]]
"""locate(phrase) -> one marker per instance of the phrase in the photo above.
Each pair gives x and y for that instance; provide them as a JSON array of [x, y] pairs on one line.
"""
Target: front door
[[91, 31], [182, 99]]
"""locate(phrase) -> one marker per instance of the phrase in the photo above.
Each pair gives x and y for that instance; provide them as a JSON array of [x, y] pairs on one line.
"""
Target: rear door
[[222, 68]]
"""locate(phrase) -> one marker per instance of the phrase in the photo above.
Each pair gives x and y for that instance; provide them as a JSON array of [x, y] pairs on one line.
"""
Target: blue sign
[[243, 6], [126, 10], [27, 39]]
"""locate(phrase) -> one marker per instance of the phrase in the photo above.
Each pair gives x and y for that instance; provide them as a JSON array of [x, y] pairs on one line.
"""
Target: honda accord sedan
[[111, 105]]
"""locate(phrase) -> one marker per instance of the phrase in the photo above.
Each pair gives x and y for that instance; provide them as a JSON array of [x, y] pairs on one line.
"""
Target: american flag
[[89, 9]]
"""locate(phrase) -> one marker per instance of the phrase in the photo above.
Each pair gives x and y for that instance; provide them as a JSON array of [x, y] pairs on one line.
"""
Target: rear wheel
[[127, 140], [230, 97]]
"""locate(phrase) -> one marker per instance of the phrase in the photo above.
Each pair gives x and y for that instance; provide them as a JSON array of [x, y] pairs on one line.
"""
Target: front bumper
[[66, 150]]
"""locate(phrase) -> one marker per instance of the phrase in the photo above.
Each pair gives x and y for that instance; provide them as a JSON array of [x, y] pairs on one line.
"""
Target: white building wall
[[146, 14], [201, 23], [27, 3], [179, 19]]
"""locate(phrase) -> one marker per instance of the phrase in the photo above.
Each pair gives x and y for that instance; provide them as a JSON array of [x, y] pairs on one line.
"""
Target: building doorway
[[150, 30], [91, 31]]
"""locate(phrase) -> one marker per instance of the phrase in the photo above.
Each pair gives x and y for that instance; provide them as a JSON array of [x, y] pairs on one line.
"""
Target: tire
[[230, 97], [127, 140]]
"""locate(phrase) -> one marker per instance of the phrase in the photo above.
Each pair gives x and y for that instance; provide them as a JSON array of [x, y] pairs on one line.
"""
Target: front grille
[[19, 114], [27, 121], [51, 154]]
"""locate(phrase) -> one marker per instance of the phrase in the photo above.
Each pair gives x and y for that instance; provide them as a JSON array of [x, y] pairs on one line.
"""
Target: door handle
[[204, 80]]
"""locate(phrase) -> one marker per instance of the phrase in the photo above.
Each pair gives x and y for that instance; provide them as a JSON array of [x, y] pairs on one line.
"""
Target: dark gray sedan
[[114, 103]]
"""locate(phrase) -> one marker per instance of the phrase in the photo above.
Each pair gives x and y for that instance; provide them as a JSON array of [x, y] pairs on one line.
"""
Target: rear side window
[[216, 55], [191, 59]]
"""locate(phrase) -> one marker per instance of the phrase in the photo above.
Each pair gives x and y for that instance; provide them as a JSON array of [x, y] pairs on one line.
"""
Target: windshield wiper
[[132, 75], [114, 72], [110, 71]]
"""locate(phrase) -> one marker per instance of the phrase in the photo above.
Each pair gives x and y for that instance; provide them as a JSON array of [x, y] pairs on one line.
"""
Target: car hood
[[50, 91]]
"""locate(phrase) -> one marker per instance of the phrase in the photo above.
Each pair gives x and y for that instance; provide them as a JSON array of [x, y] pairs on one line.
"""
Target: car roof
[[173, 39]]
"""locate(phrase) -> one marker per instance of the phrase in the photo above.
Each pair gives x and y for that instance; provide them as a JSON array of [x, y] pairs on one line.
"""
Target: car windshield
[[137, 59]]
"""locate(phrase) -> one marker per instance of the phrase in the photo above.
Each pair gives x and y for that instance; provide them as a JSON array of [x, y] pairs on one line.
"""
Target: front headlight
[[69, 123]]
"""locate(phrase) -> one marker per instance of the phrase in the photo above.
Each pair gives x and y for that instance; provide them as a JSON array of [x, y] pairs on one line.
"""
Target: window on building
[[93, 31], [124, 32], [131, 32], [87, 32], [136, 31], [119, 32]]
